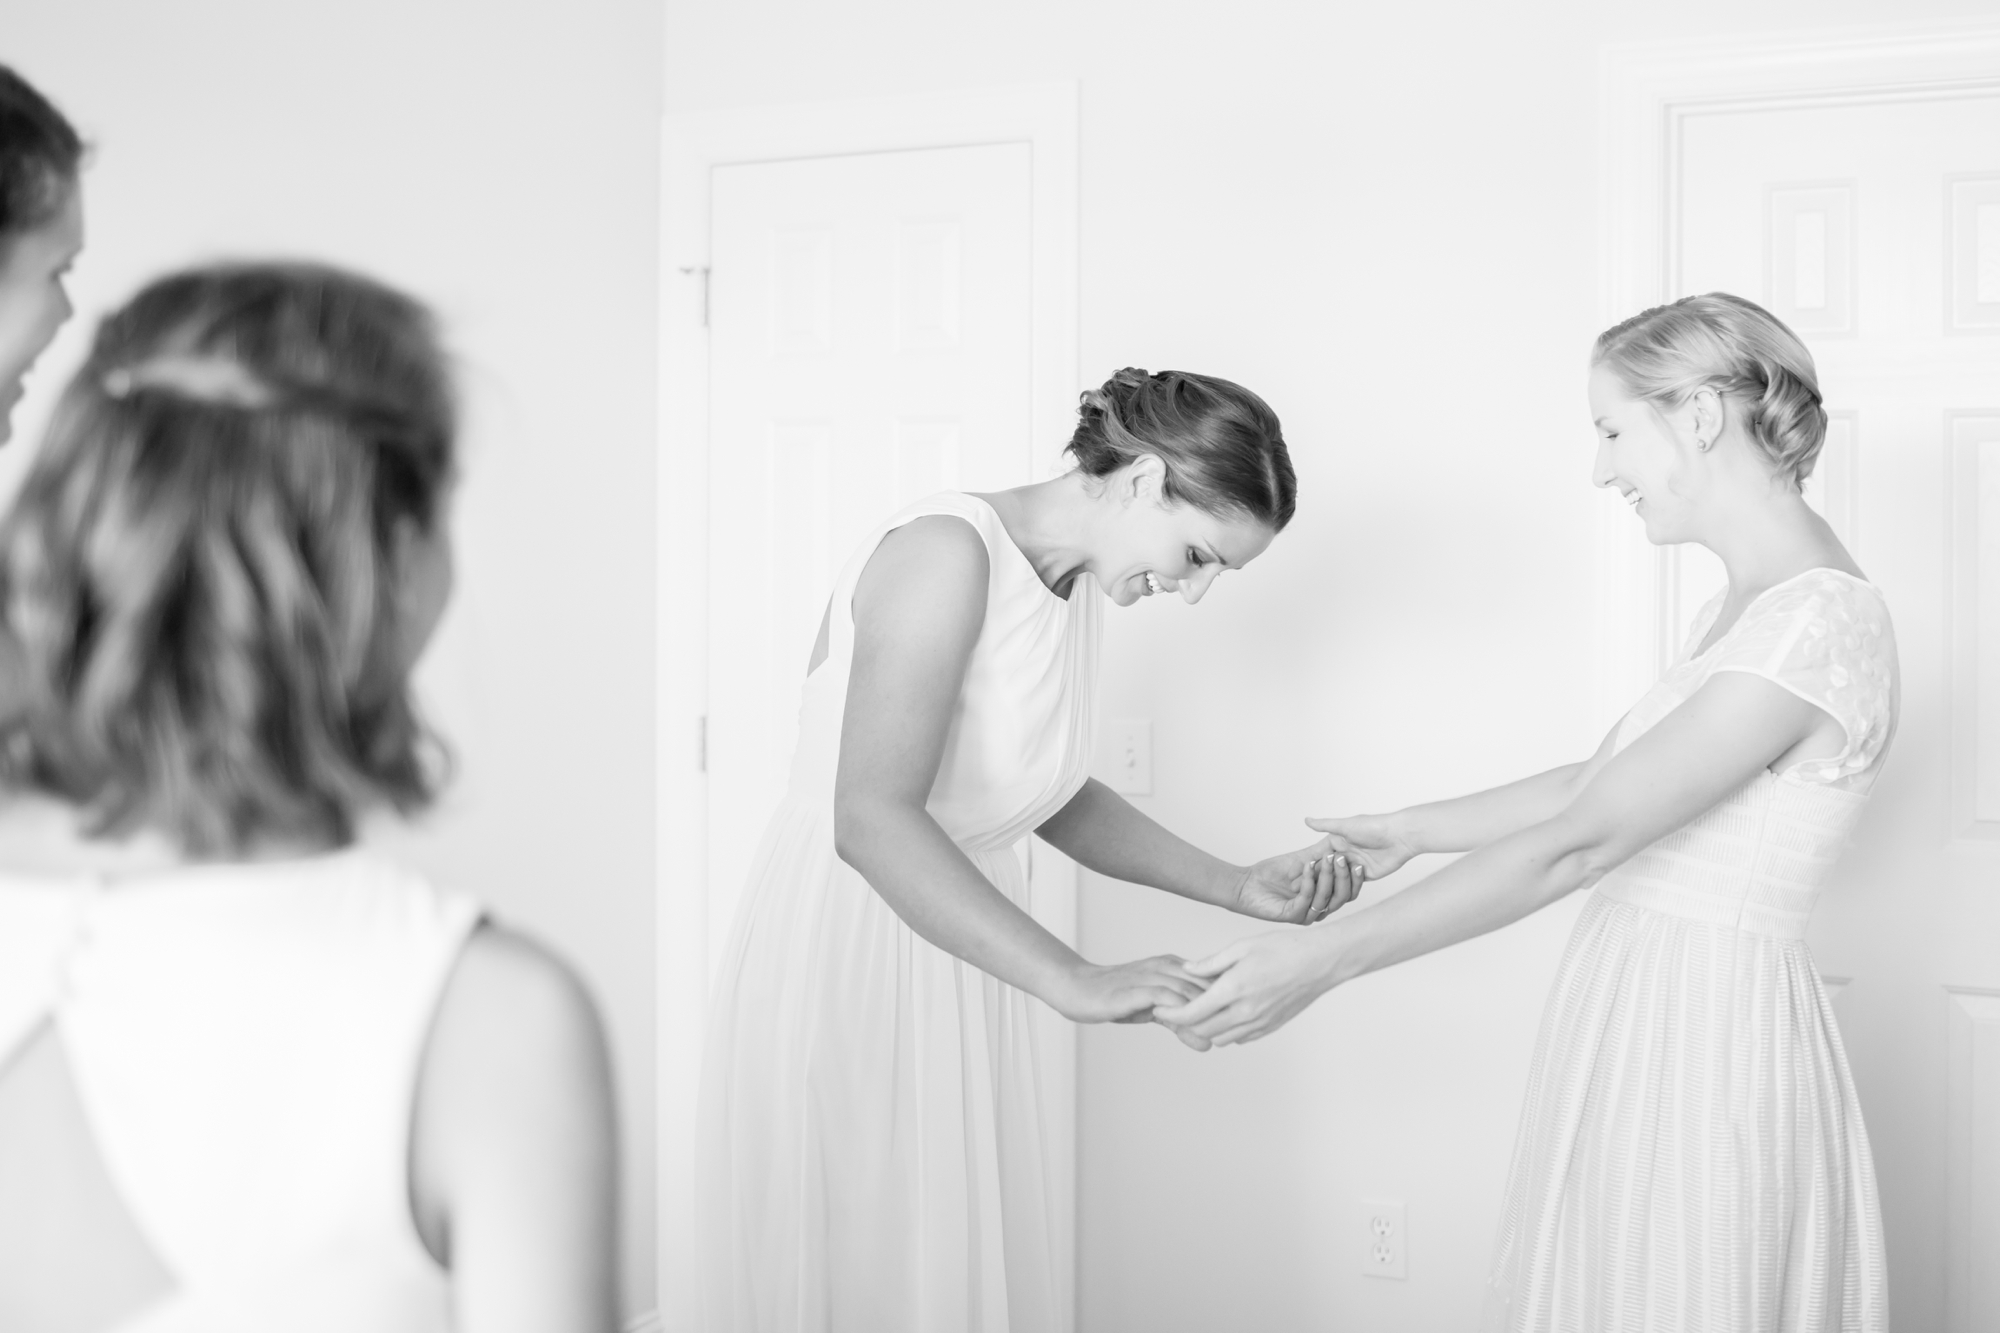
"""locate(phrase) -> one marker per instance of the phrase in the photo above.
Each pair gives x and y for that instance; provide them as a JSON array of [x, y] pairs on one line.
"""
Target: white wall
[[1378, 216], [1381, 218], [499, 159]]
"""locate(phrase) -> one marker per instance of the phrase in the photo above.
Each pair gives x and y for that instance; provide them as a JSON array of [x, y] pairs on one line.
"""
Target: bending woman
[[1691, 1154], [870, 1137]]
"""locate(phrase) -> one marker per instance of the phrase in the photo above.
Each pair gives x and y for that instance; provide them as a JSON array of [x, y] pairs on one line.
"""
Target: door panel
[[1862, 226], [869, 345]]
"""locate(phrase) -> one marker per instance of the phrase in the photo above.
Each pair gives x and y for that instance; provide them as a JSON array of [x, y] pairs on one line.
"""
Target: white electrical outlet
[[1383, 1238], [1125, 756]]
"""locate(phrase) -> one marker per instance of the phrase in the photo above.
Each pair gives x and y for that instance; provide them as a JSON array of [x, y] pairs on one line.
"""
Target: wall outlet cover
[[1381, 1238]]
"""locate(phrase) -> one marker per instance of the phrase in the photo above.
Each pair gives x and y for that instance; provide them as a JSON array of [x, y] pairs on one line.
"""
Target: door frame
[[693, 145], [1646, 95]]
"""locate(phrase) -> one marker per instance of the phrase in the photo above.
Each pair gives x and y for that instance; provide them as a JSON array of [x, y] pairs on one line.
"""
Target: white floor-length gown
[[1691, 1157], [871, 1145]]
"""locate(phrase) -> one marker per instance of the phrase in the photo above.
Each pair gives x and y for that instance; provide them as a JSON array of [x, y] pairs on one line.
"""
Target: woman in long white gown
[[870, 1140], [1691, 1153]]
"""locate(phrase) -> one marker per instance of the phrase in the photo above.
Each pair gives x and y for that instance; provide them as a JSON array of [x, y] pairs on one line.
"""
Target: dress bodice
[[1758, 859], [1020, 737], [246, 1039]]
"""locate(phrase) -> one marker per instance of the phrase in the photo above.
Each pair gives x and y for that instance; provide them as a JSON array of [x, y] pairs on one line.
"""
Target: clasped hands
[[1255, 986]]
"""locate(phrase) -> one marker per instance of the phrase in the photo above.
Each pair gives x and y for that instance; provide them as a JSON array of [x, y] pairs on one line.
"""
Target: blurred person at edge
[[41, 231], [251, 1076], [41, 234]]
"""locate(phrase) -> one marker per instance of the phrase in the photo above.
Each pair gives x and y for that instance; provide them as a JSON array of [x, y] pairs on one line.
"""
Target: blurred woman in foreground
[[250, 1076]]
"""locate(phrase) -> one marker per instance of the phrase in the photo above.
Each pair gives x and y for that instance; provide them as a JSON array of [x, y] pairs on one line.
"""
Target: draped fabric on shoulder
[[1691, 1153], [871, 1146], [246, 1042]]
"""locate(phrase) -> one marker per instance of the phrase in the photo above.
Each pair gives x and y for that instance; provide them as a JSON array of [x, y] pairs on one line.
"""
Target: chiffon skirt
[[871, 1149], [1691, 1153]]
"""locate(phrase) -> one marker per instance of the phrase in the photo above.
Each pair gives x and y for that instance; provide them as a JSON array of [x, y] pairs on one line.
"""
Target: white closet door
[[869, 321], [870, 343], [1873, 229]]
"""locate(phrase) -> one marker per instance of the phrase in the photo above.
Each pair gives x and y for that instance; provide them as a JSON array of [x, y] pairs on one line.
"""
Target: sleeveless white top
[[871, 1147], [246, 1040]]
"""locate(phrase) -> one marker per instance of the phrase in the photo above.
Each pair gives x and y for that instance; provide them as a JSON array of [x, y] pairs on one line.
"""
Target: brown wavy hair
[[201, 567]]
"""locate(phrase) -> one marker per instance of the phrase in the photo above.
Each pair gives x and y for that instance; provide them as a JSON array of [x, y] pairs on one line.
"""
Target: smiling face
[[1147, 544], [1650, 456], [33, 301]]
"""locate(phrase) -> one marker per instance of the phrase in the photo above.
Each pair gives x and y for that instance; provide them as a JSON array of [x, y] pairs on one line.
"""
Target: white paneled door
[[869, 344], [862, 301], [871, 341], [1873, 228]]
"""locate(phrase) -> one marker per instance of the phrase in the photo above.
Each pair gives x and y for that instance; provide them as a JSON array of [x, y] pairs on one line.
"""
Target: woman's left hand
[[1299, 887], [1256, 986]]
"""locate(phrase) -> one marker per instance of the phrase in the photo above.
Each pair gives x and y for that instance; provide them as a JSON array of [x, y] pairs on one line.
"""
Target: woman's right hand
[[1377, 842], [1126, 992]]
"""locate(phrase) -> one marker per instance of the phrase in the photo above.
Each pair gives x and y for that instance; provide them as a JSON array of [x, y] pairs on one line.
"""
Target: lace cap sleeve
[[1826, 638]]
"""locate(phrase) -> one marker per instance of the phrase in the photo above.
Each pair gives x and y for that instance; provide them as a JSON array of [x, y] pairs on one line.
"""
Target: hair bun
[[1221, 444], [1789, 421], [1739, 349], [1119, 389]]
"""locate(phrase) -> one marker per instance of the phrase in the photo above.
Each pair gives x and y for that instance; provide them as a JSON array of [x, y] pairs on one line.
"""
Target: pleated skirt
[[870, 1138], [1691, 1155]]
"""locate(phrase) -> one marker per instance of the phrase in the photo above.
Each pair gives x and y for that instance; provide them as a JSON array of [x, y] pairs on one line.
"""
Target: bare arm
[[513, 1156], [918, 608], [1734, 727], [1381, 844], [1100, 829]]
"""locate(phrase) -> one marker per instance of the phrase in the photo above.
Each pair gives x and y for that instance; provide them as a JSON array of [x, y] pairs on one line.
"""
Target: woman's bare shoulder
[[947, 537], [929, 566], [515, 1080], [507, 980]]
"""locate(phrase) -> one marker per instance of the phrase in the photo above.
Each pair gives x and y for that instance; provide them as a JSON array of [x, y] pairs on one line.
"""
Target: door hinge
[[700, 271], [701, 744]]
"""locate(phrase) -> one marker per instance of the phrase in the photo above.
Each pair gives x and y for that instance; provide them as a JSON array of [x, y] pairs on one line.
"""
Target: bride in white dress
[[1691, 1153], [870, 1141]]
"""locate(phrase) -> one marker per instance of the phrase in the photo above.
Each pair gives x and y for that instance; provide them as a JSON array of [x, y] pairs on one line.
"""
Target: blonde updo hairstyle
[[1221, 444], [1739, 349], [202, 566]]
